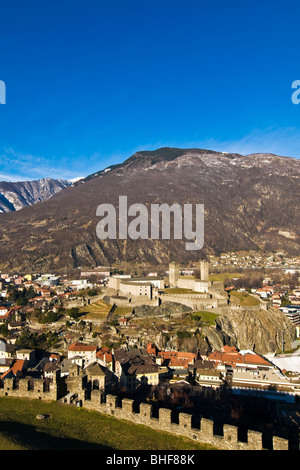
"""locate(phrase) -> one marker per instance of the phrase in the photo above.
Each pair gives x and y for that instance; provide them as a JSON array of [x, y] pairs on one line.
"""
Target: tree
[[285, 301], [73, 313], [4, 329], [30, 340]]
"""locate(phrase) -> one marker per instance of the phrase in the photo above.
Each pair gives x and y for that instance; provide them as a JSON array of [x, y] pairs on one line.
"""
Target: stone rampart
[[40, 389], [204, 434], [196, 302], [27, 388]]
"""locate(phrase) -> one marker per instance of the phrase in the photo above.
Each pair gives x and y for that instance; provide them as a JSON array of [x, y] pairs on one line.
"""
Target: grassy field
[[180, 290], [123, 311], [245, 299], [206, 317], [71, 428], [220, 277], [95, 311]]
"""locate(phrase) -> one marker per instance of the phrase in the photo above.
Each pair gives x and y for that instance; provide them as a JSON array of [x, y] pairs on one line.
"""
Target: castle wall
[[80, 302], [186, 283], [38, 389], [204, 434], [196, 302]]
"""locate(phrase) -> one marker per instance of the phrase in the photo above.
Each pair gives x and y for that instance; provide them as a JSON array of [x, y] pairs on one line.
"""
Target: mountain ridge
[[163, 154], [18, 194]]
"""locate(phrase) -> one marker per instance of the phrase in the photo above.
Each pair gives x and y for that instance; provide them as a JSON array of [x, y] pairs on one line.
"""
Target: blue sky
[[88, 83]]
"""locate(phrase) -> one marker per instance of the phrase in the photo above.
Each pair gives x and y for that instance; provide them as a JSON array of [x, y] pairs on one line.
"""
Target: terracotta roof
[[105, 355], [237, 358], [16, 367], [231, 358], [178, 362], [256, 359], [229, 349], [151, 348], [178, 354], [82, 347], [7, 314]]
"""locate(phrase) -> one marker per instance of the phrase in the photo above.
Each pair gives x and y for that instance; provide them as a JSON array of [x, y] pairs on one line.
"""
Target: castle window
[[95, 384]]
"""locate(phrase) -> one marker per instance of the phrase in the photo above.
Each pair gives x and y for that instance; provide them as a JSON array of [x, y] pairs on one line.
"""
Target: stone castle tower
[[173, 274], [204, 270]]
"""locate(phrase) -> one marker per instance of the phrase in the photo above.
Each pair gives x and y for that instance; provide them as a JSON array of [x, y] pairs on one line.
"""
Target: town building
[[86, 352]]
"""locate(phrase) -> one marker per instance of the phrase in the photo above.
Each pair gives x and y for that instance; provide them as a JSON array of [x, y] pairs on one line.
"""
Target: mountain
[[250, 201], [16, 195]]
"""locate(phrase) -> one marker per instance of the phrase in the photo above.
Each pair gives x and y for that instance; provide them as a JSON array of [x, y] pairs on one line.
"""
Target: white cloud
[[18, 166], [283, 142]]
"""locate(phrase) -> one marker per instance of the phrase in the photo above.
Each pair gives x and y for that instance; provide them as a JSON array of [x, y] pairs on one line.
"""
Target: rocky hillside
[[256, 329], [245, 328], [251, 202], [16, 195]]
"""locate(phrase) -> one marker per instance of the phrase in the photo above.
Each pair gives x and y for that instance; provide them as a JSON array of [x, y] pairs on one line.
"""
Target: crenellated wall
[[204, 434], [40, 389], [196, 302]]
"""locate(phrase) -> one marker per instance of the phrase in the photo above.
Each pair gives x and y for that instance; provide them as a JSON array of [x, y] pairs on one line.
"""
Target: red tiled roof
[[104, 354], [228, 358], [7, 314], [82, 347], [179, 362], [229, 349], [151, 348], [255, 359], [178, 354], [16, 367], [237, 358]]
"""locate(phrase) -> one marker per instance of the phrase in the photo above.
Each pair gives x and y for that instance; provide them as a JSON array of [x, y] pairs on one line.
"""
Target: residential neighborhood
[[65, 339]]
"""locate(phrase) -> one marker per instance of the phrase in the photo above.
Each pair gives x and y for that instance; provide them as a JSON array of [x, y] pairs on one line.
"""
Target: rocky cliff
[[251, 328], [255, 328]]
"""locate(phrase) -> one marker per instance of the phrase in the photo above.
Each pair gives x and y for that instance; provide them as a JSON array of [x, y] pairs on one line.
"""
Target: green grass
[[221, 277], [244, 299], [95, 311], [180, 290], [71, 428], [123, 311], [206, 317]]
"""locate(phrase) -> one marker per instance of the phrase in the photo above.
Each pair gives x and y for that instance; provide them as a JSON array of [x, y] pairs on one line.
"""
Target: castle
[[197, 293], [190, 282]]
